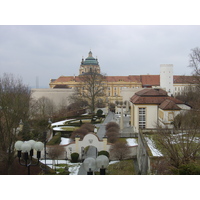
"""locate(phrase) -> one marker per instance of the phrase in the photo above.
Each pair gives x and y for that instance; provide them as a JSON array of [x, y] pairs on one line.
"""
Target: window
[[142, 118]]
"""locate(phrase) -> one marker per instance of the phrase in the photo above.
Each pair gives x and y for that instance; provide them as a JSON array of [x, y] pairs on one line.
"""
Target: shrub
[[112, 136], [113, 129], [189, 169], [55, 140], [105, 153], [99, 112], [112, 125], [88, 127], [81, 132], [120, 150], [74, 157]]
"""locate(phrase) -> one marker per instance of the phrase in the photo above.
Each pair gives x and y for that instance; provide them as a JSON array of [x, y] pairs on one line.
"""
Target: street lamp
[[90, 164], [102, 162], [27, 149]]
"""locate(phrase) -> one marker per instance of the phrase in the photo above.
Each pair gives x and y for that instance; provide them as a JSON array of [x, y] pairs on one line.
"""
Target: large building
[[152, 107], [174, 85]]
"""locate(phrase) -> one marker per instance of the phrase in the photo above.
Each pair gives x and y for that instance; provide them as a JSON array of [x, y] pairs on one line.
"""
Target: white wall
[[151, 116], [58, 96], [166, 78]]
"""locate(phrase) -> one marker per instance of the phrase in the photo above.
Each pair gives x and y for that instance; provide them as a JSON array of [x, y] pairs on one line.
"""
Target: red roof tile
[[145, 80], [123, 78], [150, 80], [169, 105], [152, 92], [185, 79], [152, 96]]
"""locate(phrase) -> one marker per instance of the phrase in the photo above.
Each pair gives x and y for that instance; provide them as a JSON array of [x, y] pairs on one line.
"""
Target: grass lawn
[[124, 167]]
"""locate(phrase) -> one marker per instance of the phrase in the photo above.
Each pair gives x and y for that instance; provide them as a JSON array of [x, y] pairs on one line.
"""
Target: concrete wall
[[166, 78], [151, 116], [127, 93], [143, 158], [89, 140], [58, 96]]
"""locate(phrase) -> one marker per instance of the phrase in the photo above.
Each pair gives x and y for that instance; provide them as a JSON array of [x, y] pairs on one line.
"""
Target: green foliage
[[74, 157], [99, 112], [62, 170], [106, 153], [55, 140], [125, 167], [189, 169]]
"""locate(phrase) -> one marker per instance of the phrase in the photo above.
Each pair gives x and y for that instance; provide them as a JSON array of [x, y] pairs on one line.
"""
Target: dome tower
[[89, 64]]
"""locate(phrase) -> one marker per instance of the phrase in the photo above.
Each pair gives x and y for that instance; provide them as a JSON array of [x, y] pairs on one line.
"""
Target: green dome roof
[[90, 60]]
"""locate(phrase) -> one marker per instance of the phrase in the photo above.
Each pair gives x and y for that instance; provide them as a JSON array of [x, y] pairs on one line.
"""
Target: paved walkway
[[101, 132], [92, 151]]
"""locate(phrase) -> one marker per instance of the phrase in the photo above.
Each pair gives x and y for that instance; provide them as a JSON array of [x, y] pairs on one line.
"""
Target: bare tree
[[112, 132], [55, 152], [81, 132], [91, 88], [194, 61], [89, 127], [14, 105], [112, 125], [120, 150], [182, 145], [43, 108]]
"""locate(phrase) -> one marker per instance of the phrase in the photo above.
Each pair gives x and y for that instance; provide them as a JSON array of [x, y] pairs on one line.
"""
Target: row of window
[[142, 118], [184, 88], [115, 88]]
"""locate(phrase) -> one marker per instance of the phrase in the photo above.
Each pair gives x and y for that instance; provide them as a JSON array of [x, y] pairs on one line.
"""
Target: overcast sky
[[47, 52]]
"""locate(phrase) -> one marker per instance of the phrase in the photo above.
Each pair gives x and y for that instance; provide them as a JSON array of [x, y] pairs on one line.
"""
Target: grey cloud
[[50, 51]]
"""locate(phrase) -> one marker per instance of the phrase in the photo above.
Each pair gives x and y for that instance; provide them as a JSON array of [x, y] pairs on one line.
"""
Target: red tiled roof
[[169, 105], [67, 79], [185, 79], [152, 92], [150, 80], [123, 78], [152, 96], [145, 80]]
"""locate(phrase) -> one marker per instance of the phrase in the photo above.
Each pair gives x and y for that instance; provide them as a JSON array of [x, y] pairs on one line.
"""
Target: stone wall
[[58, 96], [143, 158]]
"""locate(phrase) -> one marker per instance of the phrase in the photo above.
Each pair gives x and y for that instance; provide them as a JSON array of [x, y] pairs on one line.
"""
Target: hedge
[[55, 140], [106, 153], [74, 157]]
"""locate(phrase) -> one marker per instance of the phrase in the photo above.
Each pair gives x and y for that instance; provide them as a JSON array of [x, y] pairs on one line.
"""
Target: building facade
[[152, 107], [174, 85]]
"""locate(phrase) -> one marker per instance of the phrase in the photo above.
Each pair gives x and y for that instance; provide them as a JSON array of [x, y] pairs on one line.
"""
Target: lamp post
[[90, 164], [102, 162], [27, 149]]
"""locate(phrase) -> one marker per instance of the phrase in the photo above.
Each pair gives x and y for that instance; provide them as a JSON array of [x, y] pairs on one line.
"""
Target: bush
[[81, 132], [120, 150], [112, 136], [88, 126], [105, 153], [112, 125], [99, 112], [55, 140], [112, 132], [74, 157], [189, 169]]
